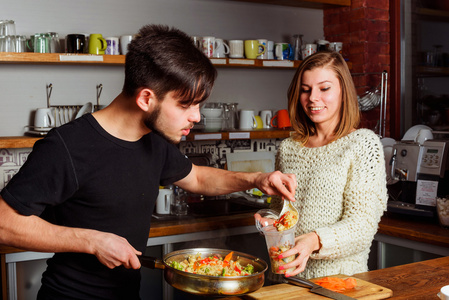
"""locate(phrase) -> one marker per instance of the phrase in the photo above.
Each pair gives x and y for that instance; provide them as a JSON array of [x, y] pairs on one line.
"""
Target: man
[[98, 176]]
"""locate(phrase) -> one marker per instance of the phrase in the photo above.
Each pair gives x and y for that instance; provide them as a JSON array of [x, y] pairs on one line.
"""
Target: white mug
[[197, 41], [221, 49], [266, 116], [236, 48], [209, 45], [247, 119], [112, 45], [164, 199], [44, 119], [264, 55], [444, 293], [124, 41], [308, 50]]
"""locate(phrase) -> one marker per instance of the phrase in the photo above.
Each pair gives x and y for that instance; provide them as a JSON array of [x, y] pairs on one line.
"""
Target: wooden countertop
[[190, 224], [417, 281], [417, 230], [184, 225], [420, 280]]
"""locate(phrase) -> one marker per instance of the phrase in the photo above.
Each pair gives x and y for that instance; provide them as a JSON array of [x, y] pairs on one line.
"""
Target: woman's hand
[[305, 245]]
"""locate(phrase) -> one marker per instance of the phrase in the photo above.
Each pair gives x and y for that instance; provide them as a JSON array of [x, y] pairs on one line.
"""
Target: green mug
[[39, 43], [97, 44], [252, 49]]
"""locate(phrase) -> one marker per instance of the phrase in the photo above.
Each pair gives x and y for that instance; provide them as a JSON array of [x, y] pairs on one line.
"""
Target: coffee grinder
[[420, 169]]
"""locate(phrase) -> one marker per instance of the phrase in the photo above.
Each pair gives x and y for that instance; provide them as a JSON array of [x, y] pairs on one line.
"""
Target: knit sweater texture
[[341, 195]]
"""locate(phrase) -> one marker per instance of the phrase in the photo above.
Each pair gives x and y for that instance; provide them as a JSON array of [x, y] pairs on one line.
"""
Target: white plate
[[86, 109], [413, 132]]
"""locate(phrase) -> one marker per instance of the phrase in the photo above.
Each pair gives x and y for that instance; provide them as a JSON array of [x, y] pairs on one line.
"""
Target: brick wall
[[364, 29]]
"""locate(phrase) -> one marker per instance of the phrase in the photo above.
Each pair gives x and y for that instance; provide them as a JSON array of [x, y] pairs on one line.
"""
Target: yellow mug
[[259, 122], [252, 49], [97, 44]]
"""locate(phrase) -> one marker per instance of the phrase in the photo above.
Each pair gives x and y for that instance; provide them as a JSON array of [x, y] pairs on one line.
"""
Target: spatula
[[288, 206]]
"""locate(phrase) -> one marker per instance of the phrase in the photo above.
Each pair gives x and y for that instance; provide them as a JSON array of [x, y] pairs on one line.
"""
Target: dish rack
[[66, 113], [375, 97]]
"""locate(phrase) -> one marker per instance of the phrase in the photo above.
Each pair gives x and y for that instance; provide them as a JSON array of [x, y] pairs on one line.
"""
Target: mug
[[198, 41], [252, 49], [222, 49], [112, 45], [44, 119], [236, 48], [282, 119], [97, 44], [266, 116], [8, 43], [20, 43], [263, 54], [75, 43], [163, 202], [282, 51], [179, 205], [259, 122], [40, 43], [124, 41], [55, 46], [270, 50], [247, 119], [336, 46], [209, 45], [444, 293], [308, 50]]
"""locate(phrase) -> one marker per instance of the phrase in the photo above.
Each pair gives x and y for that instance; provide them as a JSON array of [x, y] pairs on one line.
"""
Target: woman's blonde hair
[[349, 113]]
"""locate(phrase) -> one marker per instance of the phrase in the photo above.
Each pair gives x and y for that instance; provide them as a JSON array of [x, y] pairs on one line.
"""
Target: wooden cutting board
[[364, 290]]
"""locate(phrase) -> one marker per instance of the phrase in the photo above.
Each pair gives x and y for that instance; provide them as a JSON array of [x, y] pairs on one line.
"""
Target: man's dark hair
[[165, 59]]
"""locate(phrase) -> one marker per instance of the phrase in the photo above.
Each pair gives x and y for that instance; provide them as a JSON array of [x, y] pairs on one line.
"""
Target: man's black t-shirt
[[90, 179]]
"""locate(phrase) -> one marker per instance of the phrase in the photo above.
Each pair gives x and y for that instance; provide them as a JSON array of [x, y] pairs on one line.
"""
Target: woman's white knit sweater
[[341, 195]]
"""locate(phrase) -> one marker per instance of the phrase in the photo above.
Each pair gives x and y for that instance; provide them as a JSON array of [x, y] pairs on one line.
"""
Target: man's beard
[[151, 122]]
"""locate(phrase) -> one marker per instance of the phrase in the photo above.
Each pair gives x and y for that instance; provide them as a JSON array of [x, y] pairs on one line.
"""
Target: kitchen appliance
[[421, 171]]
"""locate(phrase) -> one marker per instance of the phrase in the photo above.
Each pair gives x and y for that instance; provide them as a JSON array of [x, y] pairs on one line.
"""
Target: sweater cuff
[[328, 243]]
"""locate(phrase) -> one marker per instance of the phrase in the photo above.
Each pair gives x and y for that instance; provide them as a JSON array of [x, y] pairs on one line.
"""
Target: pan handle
[[151, 262]]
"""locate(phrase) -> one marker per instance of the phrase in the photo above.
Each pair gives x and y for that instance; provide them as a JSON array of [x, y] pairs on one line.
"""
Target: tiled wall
[[10, 162], [219, 149], [12, 159]]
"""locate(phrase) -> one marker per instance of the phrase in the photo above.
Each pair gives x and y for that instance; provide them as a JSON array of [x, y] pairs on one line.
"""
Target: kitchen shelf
[[239, 134], [17, 141], [89, 59], [433, 71], [320, 4], [433, 14], [28, 142]]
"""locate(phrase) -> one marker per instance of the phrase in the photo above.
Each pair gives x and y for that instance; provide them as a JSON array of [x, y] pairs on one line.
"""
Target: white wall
[[22, 87]]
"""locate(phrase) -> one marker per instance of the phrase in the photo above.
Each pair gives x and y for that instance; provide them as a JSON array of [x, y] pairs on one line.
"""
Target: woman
[[340, 171]]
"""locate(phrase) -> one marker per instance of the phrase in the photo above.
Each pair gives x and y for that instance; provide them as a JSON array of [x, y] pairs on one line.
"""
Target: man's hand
[[277, 183], [113, 251]]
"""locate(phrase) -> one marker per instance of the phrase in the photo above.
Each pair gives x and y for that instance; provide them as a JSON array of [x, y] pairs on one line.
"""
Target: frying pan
[[206, 285]]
